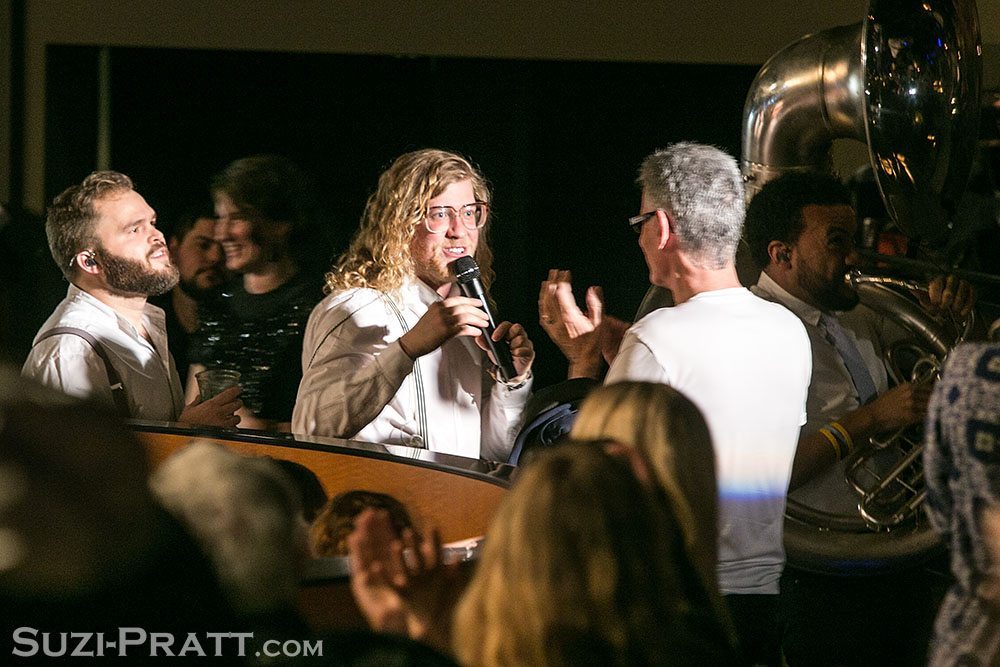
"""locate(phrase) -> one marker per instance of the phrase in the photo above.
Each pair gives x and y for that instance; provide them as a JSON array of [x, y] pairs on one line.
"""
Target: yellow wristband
[[833, 441], [845, 437]]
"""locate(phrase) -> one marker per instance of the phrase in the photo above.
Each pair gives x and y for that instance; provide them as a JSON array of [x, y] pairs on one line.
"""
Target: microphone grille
[[465, 269]]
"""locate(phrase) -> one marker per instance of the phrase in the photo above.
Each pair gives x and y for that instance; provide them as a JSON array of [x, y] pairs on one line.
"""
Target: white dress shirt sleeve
[[352, 366], [69, 364], [501, 419]]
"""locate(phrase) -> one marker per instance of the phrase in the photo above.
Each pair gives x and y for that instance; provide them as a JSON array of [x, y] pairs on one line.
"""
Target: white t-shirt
[[358, 383], [746, 364]]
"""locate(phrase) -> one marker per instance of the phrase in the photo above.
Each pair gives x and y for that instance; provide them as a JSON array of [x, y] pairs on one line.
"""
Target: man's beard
[[431, 273], [130, 277], [830, 295], [194, 290]]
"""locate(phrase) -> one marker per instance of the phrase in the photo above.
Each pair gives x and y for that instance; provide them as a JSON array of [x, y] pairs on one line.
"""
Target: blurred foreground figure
[[83, 545], [247, 515], [583, 565], [962, 464]]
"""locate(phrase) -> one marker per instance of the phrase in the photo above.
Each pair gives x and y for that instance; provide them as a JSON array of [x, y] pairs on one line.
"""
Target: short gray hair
[[246, 515], [702, 189]]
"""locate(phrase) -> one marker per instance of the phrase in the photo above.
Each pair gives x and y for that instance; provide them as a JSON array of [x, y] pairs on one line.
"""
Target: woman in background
[[582, 565], [275, 245]]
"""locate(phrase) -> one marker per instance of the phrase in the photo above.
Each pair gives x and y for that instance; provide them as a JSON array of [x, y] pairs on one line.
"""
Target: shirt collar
[[775, 292], [150, 313], [424, 293]]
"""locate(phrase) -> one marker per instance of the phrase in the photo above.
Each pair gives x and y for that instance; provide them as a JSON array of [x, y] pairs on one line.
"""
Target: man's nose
[[215, 253], [455, 226], [852, 257], [221, 229]]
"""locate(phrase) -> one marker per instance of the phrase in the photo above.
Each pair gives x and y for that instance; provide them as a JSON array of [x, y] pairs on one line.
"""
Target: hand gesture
[[217, 411], [454, 316], [397, 582], [522, 350], [576, 333]]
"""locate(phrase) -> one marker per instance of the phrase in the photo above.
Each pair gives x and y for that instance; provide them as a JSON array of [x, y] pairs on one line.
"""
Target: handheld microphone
[[467, 276]]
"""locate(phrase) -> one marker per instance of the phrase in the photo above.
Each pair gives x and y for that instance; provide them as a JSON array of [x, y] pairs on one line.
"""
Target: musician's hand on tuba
[[949, 294], [903, 405]]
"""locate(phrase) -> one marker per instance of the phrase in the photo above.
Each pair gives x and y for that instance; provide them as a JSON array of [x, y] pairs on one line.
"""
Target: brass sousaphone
[[906, 81]]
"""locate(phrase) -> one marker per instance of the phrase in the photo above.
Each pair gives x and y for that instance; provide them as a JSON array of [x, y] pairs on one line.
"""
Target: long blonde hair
[[670, 432], [581, 565], [379, 254]]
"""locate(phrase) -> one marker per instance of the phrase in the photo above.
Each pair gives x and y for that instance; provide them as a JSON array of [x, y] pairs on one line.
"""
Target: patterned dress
[[962, 465]]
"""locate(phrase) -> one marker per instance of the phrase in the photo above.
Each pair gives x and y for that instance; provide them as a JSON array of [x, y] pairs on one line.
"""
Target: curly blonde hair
[[379, 254]]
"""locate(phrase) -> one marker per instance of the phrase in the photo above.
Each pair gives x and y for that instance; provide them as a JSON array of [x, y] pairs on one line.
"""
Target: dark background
[[559, 141]]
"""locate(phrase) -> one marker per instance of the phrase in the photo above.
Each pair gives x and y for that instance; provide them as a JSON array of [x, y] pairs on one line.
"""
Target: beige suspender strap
[[417, 378], [117, 388]]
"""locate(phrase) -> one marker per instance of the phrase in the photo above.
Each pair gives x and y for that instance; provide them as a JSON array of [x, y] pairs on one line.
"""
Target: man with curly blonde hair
[[393, 354]]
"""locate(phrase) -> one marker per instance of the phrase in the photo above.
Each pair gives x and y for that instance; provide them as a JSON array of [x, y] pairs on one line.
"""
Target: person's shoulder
[[347, 301]]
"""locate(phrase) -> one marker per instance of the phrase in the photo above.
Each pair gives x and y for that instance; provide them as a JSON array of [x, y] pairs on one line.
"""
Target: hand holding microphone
[[467, 277], [470, 315]]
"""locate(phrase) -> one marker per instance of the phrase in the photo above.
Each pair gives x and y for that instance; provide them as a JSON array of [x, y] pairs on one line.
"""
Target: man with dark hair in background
[[201, 264], [801, 229]]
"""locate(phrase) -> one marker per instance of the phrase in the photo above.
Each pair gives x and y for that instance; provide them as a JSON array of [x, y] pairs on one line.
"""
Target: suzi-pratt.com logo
[[30, 642]]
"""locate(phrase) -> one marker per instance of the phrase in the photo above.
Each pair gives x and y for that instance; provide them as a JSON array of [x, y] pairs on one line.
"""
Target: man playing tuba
[[800, 228]]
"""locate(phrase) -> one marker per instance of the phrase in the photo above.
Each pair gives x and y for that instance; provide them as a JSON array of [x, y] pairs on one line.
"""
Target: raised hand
[[454, 316], [397, 582], [577, 334]]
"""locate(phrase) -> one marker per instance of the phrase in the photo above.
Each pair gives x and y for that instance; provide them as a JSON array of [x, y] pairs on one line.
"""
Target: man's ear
[[663, 228], [780, 253], [86, 261]]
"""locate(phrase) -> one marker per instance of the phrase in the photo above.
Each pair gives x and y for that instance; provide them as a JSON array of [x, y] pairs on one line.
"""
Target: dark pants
[[757, 626], [878, 620]]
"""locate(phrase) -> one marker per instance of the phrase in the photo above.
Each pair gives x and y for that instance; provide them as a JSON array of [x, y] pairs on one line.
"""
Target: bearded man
[[394, 354], [104, 341]]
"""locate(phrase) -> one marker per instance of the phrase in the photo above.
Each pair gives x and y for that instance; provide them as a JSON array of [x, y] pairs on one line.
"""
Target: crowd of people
[[652, 535]]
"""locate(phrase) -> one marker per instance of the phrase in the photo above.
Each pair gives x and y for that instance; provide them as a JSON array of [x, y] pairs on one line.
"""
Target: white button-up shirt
[[831, 392], [358, 383], [70, 364]]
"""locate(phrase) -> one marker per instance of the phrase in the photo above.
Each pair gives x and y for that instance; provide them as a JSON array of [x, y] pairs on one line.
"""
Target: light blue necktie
[[848, 351]]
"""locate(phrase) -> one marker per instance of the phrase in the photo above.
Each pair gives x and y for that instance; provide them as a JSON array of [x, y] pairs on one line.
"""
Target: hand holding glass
[[215, 381]]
